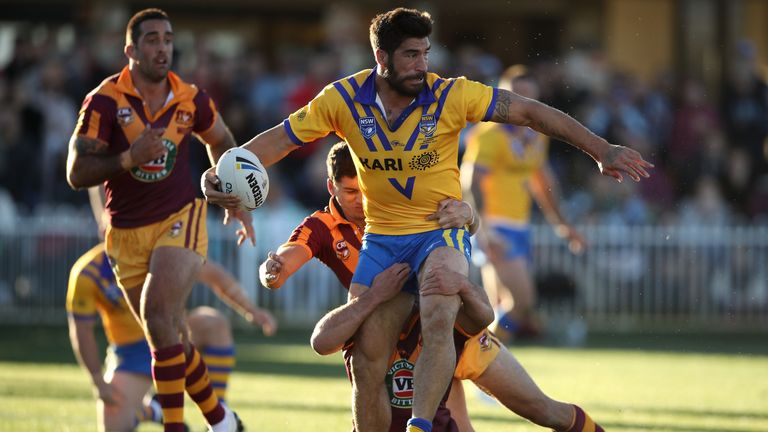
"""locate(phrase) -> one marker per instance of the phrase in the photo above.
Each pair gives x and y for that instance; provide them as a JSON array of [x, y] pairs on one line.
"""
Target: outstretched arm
[[612, 160], [227, 288], [339, 325], [281, 265], [269, 146]]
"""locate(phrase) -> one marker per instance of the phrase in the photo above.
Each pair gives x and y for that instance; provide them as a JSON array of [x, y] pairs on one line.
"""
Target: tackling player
[[402, 125], [333, 236]]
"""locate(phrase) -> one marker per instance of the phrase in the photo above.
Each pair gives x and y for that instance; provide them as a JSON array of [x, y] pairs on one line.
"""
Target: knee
[[206, 321]]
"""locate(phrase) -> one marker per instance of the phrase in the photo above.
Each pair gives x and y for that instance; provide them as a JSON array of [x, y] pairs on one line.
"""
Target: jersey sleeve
[[316, 119], [478, 99], [312, 234], [81, 303], [97, 117], [205, 113]]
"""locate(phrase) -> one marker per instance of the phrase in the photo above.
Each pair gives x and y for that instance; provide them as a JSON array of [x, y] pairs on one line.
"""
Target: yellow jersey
[[93, 291], [508, 156], [406, 169]]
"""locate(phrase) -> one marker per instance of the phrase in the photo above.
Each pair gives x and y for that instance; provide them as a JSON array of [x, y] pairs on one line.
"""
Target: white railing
[[630, 278]]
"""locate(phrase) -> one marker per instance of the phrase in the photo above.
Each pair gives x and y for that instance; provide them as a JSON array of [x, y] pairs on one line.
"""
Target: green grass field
[[629, 383]]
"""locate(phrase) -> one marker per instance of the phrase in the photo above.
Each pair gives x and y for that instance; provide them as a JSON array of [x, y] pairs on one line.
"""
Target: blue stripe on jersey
[[367, 108], [415, 134], [216, 384], [219, 368], [489, 113], [441, 102], [355, 115], [291, 135], [219, 351], [437, 84], [110, 292]]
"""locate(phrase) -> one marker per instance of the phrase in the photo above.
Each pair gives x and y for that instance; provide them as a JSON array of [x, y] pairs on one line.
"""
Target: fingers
[[431, 217]]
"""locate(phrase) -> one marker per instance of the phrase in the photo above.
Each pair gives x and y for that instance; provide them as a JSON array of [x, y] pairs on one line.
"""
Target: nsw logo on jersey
[[400, 384], [159, 168], [428, 125], [367, 126]]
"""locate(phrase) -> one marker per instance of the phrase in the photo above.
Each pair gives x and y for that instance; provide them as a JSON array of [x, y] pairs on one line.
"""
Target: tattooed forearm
[[501, 109], [551, 130]]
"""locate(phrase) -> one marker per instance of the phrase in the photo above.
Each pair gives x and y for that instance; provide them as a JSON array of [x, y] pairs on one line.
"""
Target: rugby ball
[[241, 173]]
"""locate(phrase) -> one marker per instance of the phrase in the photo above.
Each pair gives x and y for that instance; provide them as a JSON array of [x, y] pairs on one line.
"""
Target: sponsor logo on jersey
[[367, 126], [124, 116], [342, 250], [384, 164], [159, 168], [184, 118], [400, 384], [424, 160]]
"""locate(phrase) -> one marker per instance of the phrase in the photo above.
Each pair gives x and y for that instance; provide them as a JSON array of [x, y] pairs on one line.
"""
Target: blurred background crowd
[[699, 113]]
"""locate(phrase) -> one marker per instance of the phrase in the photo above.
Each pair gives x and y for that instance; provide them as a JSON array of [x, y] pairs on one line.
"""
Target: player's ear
[[382, 58], [329, 184], [129, 51]]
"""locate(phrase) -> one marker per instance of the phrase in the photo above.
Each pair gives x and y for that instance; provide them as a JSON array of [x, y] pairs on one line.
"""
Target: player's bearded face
[[154, 53], [407, 67]]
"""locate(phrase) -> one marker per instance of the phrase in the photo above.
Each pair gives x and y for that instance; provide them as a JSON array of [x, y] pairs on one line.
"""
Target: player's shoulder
[[348, 85], [323, 216], [106, 88]]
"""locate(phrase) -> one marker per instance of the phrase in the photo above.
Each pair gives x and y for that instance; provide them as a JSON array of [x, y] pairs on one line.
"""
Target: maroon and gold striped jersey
[[115, 113], [331, 238]]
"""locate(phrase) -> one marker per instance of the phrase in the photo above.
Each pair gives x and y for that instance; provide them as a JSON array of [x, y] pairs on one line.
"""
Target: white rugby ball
[[241, 173]]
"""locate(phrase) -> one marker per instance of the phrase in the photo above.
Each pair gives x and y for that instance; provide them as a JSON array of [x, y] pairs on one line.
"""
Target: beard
[[151, 73], [398, 82]]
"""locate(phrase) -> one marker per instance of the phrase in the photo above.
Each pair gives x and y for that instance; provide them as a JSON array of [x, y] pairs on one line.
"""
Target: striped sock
[[220, 362], [417, 424], [198, 386], [168, 374], [582, 422]]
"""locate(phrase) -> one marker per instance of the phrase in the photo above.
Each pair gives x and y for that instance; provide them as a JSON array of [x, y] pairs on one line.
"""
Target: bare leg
[[374, 343], [457, 404], [434, 368], [506, 380], [121, 416]]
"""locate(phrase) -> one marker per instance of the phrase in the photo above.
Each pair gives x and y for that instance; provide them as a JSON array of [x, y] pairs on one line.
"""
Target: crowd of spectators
[[709, 146]]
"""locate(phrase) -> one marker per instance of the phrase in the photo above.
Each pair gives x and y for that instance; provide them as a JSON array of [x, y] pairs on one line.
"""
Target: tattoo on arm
[[551, 130], [501, 109], [89, 146]]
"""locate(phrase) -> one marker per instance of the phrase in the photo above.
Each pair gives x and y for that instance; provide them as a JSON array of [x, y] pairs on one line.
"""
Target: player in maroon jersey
[[133, 134]]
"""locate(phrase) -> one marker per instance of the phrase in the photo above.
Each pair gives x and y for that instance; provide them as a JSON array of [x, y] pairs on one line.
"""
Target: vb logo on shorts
[[159, 168], [400, 384]]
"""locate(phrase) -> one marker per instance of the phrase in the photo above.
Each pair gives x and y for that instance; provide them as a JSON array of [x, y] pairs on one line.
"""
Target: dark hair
[[340, 162], [133, 29], [389, 29]]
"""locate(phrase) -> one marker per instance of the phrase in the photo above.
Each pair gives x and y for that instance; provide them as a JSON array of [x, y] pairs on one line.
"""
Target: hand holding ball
[[242, 174]]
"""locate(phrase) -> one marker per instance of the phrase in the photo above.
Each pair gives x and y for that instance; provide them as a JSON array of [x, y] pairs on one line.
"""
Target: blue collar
[[366, 95]]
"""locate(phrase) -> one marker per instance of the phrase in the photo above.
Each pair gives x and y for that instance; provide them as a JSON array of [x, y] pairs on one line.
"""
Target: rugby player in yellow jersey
[[333, 236], [121, 388], [402, 124], [503, 167]]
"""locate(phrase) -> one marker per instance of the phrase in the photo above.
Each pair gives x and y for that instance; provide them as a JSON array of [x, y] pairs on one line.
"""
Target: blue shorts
[[518, 241], [133, 358], [380, 251]]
